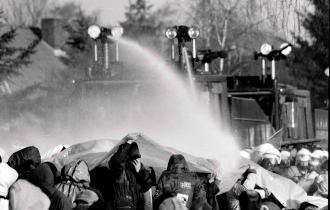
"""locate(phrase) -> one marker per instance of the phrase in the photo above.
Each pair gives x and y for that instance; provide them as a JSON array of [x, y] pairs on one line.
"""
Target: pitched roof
[[44, 64]]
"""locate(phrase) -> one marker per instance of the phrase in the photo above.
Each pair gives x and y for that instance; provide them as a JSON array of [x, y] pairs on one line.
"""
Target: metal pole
[[276, 100], [194, 55], [194, 48], [206, 67], [172, 51], [221, 65], [95, 51], [263, 63], [273, 69], [117, 52], [106, 56]]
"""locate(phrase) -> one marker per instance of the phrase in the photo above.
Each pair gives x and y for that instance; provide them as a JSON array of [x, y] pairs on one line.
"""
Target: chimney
[[53, 32]]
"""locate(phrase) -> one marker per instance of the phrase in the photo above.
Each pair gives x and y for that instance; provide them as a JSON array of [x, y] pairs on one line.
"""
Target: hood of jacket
[[76, 171], [8, 176], [24, 159], [177, 164]]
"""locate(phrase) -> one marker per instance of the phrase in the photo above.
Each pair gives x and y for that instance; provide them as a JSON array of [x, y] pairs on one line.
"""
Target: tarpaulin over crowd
[[99, 152]]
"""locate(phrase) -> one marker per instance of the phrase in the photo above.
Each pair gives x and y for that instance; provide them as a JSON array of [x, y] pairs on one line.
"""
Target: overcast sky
[[111, 11]]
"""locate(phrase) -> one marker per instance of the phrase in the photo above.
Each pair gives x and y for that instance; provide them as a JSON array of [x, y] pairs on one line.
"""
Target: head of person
[[25, 159], [270, 159], [258, 151], [325, 155], [285, 158], [302, 159], [177, 164], [133, 153], [315, 160], [249, 200]]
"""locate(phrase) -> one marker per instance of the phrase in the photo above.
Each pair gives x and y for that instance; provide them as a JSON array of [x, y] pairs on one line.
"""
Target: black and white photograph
[[164, 104]]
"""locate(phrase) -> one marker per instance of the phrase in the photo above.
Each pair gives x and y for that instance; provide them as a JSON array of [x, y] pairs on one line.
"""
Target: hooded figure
[[250, 200], [178, 182], [8, 176], [44, 178], [25, 159], [128, 179]]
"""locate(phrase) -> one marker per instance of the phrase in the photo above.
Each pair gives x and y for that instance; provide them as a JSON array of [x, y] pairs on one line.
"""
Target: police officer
[[270, 159]]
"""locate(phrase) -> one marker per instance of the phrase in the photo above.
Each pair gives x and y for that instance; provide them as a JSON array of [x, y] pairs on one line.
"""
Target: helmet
[[317, 154], [272, 153], [262, 148], [285, 155], [325, 154], [258, 152], [303, 155]]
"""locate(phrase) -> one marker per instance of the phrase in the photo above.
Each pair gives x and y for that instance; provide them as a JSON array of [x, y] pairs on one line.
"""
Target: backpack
[[75, 178]]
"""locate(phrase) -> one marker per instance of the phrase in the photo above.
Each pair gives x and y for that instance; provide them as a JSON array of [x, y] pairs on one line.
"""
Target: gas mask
[[268, 163]]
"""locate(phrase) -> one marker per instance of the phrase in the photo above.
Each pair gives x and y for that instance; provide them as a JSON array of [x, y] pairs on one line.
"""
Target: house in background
[[45, 63]]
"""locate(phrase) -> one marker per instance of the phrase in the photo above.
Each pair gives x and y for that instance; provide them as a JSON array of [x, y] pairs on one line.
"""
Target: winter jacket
[[8, 176], [178, 181], [126, 186], [75, 178], [26, 196], [245, 183], [43, 177], [212, 190], [25, 159]]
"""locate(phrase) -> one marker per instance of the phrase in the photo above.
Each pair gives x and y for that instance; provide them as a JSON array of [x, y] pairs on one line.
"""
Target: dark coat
[[178, 181], [25, 159], [43, 177], [126, 186]]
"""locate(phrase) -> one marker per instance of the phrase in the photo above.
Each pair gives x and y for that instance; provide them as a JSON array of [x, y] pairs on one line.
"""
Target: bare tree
[[242, 25], [25, 13]]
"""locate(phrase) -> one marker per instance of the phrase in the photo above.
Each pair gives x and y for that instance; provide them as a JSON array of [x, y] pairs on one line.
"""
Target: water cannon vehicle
[[256, 108]]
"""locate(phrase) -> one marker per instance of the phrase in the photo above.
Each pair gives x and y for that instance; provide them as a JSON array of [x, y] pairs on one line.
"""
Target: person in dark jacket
[[249, 200], [178, 181], [128, 179], [25, 159], [44, 178]]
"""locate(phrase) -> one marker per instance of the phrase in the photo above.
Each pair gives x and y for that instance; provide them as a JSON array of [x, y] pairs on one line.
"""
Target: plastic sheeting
[[99, 152]]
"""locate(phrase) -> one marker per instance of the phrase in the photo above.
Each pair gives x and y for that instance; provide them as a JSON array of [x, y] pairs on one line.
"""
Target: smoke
[[147, 96]]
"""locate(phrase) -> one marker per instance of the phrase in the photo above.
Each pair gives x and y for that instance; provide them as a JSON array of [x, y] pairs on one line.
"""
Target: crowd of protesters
[[27, 183]]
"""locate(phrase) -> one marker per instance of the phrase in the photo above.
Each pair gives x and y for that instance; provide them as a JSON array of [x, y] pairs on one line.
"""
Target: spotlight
[[171, 33], [285, 49], [94, 31], [193, 32], [117, 31], [265, 49], [326, 71]]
